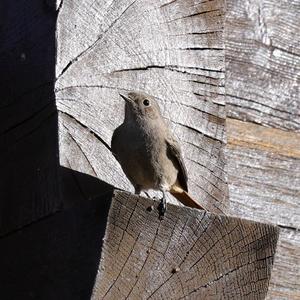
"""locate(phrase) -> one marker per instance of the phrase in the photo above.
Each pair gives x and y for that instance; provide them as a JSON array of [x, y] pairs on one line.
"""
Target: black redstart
[[147, 151]]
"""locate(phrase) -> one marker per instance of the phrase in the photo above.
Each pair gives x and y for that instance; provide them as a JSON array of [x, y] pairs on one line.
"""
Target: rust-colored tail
[[184, 197]]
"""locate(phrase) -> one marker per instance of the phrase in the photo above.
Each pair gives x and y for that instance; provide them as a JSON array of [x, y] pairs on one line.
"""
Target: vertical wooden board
[[263, 62], [191, 254], [28, 117], [172, 50]]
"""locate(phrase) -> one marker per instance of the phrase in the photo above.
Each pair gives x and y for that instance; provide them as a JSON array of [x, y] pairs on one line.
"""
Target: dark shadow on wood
[[28, 117], [58, 256], [77, 187]]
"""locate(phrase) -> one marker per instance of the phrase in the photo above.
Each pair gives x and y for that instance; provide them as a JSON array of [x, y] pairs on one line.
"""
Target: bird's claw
[[162, 208]]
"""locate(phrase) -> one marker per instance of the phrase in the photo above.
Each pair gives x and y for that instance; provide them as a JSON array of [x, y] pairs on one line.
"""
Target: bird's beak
[[128, 100]]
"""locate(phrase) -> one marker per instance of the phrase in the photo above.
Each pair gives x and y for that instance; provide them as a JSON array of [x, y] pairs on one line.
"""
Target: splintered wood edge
[[176, 257]]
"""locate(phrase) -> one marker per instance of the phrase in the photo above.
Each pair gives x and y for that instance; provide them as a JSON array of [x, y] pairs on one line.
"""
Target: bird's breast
[[142, 153]]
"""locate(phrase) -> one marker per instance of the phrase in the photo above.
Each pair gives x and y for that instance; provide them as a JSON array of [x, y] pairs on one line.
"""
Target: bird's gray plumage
[[147, 151]]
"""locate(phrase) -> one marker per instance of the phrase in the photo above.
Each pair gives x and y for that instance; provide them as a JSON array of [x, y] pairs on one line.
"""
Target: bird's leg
[[162, 205], [137, 189], [146, 194]]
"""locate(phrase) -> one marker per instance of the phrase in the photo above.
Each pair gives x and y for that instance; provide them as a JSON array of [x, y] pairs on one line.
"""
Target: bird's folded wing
[[174, 153]]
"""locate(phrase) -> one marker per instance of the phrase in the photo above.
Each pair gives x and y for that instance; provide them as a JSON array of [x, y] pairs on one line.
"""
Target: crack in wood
[[198, 131], [196, 14], [81, 150], [261, 104], [146, 260], [168, 3], [92, 46], [88, 129]]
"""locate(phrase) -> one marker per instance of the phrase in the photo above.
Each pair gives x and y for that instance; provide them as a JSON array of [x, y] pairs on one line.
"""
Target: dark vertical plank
[[28, 118]]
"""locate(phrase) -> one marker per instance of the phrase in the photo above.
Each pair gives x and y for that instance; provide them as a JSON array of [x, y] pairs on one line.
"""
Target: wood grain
[[171, 50], [285, 276], [263, 176], [263, 173], [263, 62], [275, 141], [191, 254], [262, 87]]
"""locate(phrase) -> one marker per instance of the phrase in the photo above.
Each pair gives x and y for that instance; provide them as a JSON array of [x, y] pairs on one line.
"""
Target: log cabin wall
[[263, 126], [174, 51]]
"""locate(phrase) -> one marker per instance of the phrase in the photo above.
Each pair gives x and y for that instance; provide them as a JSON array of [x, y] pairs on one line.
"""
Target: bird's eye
[[146, 102]]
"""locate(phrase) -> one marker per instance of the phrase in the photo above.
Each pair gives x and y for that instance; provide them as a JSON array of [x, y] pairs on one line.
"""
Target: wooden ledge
[[191, 254]]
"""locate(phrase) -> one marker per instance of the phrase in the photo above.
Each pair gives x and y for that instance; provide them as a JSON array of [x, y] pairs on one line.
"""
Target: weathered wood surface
[[57, 257], [262, 86], [191, 254], [262, 54], [285, 276], [263, 167], [170, 49], [263, 62], [28, 118], [264, 173]]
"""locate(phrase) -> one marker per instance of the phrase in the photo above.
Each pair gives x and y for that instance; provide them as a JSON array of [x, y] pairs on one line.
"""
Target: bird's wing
[[115, 140], [174, 153]]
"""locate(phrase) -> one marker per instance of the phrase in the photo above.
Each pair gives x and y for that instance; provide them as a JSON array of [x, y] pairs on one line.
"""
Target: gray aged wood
[[264, 173], [262, 86], [285, 276], [191, 254], [28, 117], [170, 49], [263, 167], [263, 62]]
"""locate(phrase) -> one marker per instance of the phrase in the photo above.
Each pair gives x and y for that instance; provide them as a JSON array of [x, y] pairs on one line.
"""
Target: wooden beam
[[189, 254], [263, 59], [263, 175], [263, 172], [171, 50], [262, 87], [28, 117]]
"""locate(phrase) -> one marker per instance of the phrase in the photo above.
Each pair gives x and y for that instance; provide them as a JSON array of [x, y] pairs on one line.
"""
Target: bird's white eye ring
[[146, 102]]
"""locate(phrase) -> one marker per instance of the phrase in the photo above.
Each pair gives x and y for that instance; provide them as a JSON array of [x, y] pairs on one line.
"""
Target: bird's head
[[140, 105]]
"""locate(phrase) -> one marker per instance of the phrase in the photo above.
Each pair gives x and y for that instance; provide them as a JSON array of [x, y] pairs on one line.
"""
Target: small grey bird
[[147, 151]]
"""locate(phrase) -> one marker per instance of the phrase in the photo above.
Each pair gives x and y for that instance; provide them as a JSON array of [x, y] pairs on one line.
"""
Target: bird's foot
[[162, 208], [147, 194]]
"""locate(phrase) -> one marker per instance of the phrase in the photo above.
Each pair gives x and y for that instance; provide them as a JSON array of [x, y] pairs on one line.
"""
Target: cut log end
[[189, 254]]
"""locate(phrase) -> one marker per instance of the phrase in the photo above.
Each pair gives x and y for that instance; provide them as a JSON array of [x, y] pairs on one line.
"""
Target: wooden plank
[[263, 175], [263, 62], [189, 254], [172, 50], [28, 117]]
